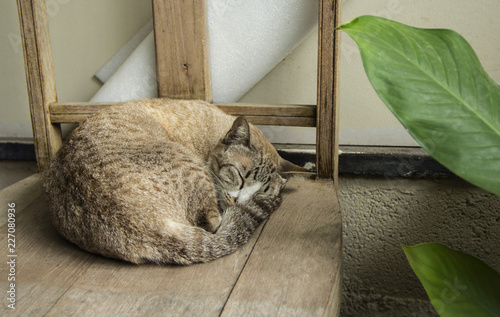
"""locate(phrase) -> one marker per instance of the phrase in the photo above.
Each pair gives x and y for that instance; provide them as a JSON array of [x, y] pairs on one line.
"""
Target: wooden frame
[[183, 72]]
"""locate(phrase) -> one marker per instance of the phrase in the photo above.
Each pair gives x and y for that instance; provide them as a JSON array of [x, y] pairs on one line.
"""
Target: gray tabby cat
[[164, 181]]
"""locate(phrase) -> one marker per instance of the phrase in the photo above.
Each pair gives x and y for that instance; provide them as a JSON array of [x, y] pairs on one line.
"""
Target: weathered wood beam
[[182, 55], [288, 115], [328, 93], [40, 78]]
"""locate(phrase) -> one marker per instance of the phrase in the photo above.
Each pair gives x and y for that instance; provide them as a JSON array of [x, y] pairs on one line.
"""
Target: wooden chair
[[291, 266]]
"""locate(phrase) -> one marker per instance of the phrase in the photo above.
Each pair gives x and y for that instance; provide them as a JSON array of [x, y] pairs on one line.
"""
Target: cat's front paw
[[267, 203], [268, 198]]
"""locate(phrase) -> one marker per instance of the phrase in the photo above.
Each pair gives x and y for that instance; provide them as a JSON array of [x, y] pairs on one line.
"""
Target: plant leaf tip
[[348, 24]]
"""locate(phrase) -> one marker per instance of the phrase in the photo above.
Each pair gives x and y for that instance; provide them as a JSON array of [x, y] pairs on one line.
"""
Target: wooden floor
[[291, 266]]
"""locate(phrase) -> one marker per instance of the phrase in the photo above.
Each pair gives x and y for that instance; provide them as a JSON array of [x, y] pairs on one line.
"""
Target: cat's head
[[244, 164]]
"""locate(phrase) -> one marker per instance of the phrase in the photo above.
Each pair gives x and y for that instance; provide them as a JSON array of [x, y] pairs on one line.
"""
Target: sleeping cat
[[164, 181]]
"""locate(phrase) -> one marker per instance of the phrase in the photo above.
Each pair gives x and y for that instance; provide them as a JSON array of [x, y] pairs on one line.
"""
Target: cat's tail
[[189, 244]]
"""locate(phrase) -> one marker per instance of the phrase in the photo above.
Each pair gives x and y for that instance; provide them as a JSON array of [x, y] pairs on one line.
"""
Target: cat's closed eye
[[248, 174], [231, 176]]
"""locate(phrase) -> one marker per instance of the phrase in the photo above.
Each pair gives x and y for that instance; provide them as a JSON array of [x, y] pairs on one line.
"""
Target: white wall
[[15, 119], [85, 34], [364, 119]]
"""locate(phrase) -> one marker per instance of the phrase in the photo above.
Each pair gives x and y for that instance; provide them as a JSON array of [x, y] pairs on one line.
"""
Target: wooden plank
[[181, 42], [282, 121], [46, 265], [39, 78], [328, 72], [290, 115], [75, 112], [269, 110], [21, 194], [295, 267], [121, 289]]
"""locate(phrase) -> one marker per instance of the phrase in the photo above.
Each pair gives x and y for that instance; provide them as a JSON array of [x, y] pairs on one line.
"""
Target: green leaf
[[435, 85], [458, 284]]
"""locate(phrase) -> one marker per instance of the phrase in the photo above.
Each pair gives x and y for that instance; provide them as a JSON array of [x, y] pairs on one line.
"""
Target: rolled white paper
[[134, 79], [121, 56], [247, 40]]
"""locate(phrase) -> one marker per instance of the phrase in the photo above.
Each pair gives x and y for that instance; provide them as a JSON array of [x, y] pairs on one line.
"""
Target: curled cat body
[[163, 181]]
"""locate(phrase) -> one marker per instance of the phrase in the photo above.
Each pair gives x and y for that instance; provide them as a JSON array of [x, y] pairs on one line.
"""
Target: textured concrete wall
[[380, 214]]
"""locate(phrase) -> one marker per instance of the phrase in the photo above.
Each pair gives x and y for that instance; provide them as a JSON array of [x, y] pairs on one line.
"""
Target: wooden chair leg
[[39, 78], [327, 113]]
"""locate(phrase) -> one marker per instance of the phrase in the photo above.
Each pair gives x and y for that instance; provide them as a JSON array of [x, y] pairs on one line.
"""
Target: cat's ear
[[239, 134]]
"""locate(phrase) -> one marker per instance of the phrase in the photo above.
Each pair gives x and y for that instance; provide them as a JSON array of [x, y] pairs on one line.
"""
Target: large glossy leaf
[[435, 85], [457, 284]]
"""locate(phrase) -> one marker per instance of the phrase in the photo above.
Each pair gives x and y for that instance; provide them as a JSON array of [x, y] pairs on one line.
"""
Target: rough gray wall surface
[[380, 214]]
